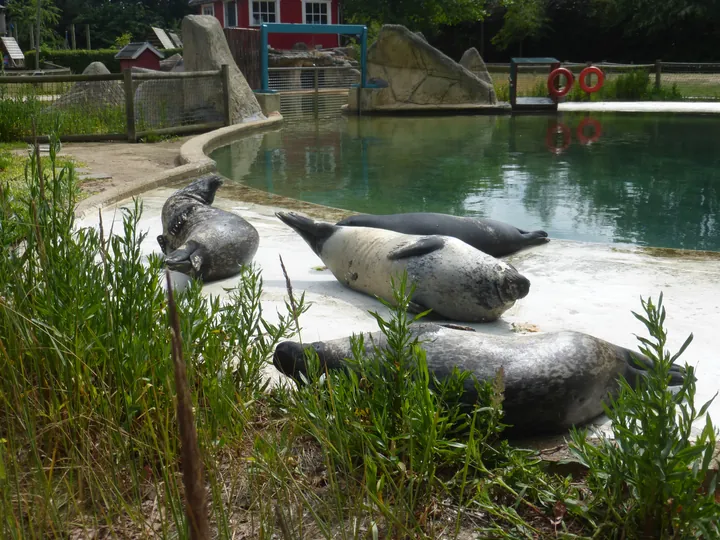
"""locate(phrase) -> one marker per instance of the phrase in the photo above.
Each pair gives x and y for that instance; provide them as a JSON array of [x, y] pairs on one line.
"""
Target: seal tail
[[535, 238], [313, 232]]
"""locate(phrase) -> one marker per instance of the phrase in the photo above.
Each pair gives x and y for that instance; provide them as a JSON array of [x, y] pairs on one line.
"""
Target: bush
[[649, 481], [77, 60]]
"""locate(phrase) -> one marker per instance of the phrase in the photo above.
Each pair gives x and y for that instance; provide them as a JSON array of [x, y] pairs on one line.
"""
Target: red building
[[142, 55], [252, 13]]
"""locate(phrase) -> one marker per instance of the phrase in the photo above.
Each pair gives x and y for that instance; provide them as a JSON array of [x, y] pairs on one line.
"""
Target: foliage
[[122, 40], [522, 19], [24, 13], [87, 384], [650, 480], [422, 15], [652, 17], [78, 59], [18, 113]]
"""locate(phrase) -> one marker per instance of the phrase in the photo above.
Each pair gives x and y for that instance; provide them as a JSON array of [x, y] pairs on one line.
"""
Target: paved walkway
[[704, 107]]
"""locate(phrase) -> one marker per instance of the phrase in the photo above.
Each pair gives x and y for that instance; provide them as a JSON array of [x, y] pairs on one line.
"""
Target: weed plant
[[653, 480], [87, 420], [88, 428]]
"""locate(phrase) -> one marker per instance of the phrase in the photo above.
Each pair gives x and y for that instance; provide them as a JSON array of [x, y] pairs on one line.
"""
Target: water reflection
[[645, 179]]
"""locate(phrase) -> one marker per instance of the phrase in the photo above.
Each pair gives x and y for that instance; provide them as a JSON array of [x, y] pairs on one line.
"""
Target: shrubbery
[[78, 59], [89, 433]]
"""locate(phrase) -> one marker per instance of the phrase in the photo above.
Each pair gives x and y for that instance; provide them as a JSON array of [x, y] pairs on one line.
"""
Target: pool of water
[[651, 180]]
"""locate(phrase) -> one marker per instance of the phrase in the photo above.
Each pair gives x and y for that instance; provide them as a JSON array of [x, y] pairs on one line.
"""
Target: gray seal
[[553, 381], [452, 279], [201, 241], [493, 237]]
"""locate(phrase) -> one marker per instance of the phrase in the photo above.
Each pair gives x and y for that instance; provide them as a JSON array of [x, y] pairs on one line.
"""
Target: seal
[[493, 237], [553, 381], [451, 278], [201, 241]]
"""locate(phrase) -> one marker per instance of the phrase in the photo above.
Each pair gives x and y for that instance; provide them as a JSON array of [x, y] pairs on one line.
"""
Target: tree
[[419, 15], [523, 19], [23, 14]]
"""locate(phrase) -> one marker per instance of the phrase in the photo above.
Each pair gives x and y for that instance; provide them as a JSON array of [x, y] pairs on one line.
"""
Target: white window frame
[[229, 3], [210, 11], [328, 3], [319, 160], [250, 11]]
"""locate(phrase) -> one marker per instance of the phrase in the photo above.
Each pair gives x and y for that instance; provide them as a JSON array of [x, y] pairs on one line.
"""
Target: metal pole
[[363, 58], [37, 36], [72, 36], [316, 83], [265, 79], [87, 37], [129, 105], [658, 72]]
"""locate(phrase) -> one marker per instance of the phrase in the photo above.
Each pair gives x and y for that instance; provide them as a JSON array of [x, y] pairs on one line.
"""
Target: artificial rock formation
[[93, 94], [205, 48], [419, 74], [473, 62]]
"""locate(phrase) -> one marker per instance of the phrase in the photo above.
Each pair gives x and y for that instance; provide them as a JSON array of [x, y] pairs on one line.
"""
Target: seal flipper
[[185, 259], [423, 246], [163, 242], [313, 232], [534, 238]]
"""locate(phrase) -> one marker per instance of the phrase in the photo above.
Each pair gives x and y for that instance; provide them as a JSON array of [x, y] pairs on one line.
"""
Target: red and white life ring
[[585, 73], [580, 132], [554, 74]]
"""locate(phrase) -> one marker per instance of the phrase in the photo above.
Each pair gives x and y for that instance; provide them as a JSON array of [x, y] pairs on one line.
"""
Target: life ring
[[597, 130], [586, 73], [554, 74], [553, 130]]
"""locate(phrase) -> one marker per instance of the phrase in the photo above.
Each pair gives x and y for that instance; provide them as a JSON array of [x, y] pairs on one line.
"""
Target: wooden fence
[[244, 45]]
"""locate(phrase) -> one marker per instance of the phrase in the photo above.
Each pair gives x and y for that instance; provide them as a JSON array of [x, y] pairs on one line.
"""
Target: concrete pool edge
[[193, 158]]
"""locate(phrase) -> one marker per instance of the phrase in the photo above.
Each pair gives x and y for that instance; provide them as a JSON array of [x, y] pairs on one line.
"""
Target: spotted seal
[[201, 241], [453, 279], [552, 381], [493, 237]]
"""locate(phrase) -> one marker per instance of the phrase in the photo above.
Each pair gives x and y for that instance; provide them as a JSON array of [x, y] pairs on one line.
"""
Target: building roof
[[163, 38], [199, 2], [132, 50], [10, 45]]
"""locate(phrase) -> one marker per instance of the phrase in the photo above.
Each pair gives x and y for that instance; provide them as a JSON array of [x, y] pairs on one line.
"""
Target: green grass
[[89, 438]]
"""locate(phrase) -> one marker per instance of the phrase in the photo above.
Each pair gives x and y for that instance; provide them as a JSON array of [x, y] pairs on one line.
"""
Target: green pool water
[[651, 180]]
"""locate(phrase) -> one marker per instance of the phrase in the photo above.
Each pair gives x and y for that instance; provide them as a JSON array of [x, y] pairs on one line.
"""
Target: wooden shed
[[142, 55]]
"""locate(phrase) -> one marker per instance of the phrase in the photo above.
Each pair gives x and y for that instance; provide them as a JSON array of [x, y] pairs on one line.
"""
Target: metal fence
[[122, 106], [244, 46], [692, 80], [316, 92]]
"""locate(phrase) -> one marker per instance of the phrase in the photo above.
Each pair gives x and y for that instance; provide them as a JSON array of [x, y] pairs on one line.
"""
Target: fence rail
[[693, 80], [121, 106]]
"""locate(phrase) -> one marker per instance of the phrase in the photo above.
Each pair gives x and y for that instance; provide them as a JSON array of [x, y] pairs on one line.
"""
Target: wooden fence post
[[129, 106], [225, 76], [658, 71]]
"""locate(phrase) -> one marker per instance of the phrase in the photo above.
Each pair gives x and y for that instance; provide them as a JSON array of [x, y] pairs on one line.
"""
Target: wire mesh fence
[[112, 106], [168, 101], [315, 92]]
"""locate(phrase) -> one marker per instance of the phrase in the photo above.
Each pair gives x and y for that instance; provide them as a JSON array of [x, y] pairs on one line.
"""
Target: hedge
[[77, 60]]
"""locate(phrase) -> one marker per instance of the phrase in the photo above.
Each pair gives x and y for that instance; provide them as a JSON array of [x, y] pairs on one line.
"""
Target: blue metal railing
[[357, 30]]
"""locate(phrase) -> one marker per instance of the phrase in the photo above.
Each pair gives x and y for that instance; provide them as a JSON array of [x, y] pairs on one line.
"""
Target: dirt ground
[[108, 164]]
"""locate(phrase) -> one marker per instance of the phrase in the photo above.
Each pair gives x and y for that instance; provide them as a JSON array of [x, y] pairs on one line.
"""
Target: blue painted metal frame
[[359, 30]]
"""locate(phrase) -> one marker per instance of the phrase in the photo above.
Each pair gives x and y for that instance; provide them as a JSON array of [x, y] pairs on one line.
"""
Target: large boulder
[[205, 48], [473, 62], [93, 94], [419, 74]]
